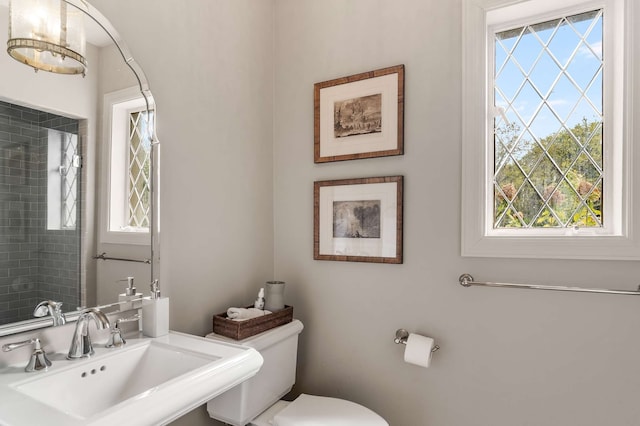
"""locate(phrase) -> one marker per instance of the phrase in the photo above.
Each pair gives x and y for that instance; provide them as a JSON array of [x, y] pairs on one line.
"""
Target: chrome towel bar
[[467, 280], [103, 256]]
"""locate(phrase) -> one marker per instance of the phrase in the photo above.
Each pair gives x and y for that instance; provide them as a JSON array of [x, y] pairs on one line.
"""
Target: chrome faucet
[[81, 342], [52, 308]]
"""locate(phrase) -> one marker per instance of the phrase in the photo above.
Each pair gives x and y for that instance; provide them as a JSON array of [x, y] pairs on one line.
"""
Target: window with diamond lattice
[[548, 126], [128, 177], [63, 179], [139, 168], [69, 172]]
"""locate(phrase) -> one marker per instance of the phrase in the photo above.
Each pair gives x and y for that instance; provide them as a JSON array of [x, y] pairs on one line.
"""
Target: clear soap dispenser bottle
[[155, 313]]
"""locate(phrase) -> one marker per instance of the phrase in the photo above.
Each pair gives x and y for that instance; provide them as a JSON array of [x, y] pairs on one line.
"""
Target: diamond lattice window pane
[[528, 203], [139, 168], [584, 66], [522, 104], [544, 120], [545, 73], [547, 219], [594, 93], [527, 50], [548, 143], [545, 177], [564, 43], [564, 149], [545, 30], [509, 80], [510, 175], [594, 144], [527, 153], [563, 97], [594, 38], [69, 173]]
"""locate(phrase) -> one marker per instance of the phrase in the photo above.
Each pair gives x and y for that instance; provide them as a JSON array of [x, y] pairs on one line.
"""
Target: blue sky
[[582, 59]]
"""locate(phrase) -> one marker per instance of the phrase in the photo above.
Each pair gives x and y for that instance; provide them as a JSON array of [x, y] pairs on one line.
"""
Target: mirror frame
[[96, 16]]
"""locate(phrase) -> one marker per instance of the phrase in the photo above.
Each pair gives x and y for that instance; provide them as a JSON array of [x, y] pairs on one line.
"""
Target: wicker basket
[[239, 330]]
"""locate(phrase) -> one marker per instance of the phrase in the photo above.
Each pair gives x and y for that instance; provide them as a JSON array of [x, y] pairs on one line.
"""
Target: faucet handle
[[52, 308], [116, 339], [38, 360]]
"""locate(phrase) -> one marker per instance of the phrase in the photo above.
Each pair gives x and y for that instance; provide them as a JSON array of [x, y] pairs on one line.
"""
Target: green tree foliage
[[553, 182]]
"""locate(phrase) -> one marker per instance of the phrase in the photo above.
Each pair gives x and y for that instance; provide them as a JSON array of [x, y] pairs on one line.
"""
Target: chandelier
[[47, 35]]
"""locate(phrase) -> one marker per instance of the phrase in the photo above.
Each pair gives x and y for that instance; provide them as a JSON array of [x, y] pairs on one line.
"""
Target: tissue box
[[239, 330]]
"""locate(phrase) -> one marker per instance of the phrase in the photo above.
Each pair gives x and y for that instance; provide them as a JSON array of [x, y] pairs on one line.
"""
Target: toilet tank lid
[[309, 410], [273, 335], [266, 338]]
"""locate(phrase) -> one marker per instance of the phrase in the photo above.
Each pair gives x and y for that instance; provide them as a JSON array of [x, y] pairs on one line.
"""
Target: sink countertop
[[228, 365]]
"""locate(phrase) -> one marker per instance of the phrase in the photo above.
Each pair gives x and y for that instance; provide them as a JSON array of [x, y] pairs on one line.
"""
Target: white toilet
[[257, 402]]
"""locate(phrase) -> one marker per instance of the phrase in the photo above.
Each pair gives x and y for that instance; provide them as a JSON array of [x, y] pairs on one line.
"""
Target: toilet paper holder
[[401, 338]]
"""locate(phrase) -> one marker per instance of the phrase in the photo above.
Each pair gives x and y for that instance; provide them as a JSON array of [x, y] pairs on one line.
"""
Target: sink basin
[[148, 381], [94, 386]]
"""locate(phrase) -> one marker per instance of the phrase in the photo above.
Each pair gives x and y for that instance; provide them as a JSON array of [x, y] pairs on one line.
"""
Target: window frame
[[617, 240], [115, 187]]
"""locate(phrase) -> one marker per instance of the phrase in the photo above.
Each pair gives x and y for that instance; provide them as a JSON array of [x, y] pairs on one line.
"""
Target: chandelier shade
[[47, 35]]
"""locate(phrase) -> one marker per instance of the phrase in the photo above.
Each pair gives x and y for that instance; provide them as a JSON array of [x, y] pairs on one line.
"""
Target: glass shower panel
[[36, 262]]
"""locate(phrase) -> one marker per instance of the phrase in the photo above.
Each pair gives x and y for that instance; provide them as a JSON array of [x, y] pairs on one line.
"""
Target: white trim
[[621, 242], [54, 179], [520, 13], [115, 209]]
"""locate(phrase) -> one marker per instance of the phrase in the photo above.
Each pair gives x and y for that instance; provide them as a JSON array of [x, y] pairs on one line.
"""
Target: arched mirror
[[77, 214]]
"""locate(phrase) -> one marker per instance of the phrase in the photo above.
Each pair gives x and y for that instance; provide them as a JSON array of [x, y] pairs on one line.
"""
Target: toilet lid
[[309, 410]]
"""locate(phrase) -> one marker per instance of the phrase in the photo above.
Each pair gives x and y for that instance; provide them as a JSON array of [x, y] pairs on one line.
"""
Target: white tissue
[[418, 350], [241, 314]]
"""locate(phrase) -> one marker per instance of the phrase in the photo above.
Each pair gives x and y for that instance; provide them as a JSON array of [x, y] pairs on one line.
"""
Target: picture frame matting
[[359, 220], [359, 116]]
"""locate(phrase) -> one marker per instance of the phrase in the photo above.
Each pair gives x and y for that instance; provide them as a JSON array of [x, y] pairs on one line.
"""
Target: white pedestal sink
[[146, 382]]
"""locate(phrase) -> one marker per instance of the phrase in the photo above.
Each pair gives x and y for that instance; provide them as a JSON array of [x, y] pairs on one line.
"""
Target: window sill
[[589, 247], [134, 238]]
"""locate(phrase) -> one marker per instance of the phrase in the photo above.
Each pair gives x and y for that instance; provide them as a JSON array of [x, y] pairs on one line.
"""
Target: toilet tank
[[279, 348]]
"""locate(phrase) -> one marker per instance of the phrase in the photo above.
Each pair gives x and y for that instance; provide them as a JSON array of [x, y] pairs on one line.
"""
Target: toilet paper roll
[[418, 350]]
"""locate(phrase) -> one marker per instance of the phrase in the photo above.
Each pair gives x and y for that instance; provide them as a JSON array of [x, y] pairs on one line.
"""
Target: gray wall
[[237, 209], [210, 68], [508, 357]]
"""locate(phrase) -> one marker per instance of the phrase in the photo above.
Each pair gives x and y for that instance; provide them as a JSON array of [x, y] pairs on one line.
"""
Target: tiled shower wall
[[36, 264]]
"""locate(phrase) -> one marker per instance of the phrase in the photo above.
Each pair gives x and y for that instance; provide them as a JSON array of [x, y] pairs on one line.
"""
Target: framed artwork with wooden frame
[[358, 220], [360, 116]]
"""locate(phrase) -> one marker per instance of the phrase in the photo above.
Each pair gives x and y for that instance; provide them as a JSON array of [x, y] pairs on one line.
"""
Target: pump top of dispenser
[[130, 290], [155, 289]]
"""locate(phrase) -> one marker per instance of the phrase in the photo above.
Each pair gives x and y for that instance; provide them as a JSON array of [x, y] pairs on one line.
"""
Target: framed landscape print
[[358, 220], [360, 116]]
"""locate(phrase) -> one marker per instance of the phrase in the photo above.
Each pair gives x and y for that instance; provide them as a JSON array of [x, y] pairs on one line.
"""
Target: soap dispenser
[[155, 313], [128, 295]]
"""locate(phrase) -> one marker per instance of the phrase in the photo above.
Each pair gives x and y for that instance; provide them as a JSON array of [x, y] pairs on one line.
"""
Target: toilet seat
[[309, 410], [266, 418]]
